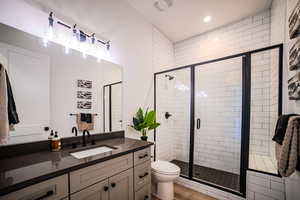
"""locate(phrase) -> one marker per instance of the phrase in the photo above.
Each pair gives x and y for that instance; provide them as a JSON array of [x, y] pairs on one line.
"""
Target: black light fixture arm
[[82, 33]]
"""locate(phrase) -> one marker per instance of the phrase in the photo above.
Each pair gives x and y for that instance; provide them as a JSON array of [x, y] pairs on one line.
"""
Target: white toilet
[[163, 175]]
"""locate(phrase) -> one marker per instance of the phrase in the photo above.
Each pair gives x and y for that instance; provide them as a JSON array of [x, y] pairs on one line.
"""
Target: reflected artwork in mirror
[[48, 84]]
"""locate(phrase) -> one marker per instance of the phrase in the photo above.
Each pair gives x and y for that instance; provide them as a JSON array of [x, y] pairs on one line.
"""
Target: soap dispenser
[[55, 142]]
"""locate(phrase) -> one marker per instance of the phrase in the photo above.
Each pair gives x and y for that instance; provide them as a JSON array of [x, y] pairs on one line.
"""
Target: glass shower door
[[173, 102], [218, 120]]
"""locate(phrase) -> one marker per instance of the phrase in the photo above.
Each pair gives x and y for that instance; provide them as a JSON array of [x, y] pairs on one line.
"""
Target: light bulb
[[98, 58], [45, 42], [50, 33], [67, 50], [107, 54], [83, 55]]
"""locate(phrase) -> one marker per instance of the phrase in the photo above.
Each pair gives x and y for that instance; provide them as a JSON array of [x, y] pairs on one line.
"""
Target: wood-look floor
[[183, 193]]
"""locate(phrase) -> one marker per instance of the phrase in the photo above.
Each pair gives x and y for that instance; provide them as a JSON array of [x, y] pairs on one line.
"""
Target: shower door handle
[[198, 123]]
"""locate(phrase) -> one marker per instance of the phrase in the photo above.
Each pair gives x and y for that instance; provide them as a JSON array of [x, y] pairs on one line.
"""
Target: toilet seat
[[164, 167]]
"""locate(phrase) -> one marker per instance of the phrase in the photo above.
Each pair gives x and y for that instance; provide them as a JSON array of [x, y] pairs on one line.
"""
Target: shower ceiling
[[184, 18]]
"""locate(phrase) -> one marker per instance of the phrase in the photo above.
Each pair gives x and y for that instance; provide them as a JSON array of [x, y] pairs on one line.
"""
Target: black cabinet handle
[[106, 188], [143, 156], [113, 185], [146, 197], [198, 123], [48, 194], [142, 176]]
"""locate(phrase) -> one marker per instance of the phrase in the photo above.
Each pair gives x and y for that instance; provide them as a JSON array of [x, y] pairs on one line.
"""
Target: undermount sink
[[92, 152]]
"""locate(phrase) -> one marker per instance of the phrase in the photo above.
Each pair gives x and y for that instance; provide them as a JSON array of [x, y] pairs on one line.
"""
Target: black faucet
[[74, 129], [83, 137]]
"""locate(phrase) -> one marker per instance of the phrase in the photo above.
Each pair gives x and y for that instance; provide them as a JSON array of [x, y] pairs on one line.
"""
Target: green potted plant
[[144, 121]]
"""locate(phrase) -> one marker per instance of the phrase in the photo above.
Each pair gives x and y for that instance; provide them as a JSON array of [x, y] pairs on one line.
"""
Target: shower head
[[169, 77]]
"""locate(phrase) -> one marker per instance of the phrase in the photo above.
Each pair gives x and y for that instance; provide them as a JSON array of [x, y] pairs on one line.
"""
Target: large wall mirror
[[52, 88]]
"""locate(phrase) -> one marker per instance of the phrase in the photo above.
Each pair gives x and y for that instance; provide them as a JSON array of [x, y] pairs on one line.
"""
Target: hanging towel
[[281, 126], [13, 117], [86, 117], [85, 121], [288, 153], [4, 122]]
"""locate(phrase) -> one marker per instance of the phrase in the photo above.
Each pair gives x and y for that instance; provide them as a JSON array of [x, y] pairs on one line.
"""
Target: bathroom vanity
[[124, 173]]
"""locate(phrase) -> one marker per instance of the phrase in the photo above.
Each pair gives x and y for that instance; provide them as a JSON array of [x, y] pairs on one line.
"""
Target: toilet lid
[[165, 167]]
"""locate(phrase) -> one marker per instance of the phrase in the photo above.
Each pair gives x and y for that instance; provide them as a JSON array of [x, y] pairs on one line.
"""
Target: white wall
[[163, 58], [132, 47]]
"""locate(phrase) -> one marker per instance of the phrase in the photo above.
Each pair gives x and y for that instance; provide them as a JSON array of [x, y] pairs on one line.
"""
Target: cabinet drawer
[[98, 191], [82, 178], [142, 156], [52, 189], [144, 193], [142, 175]]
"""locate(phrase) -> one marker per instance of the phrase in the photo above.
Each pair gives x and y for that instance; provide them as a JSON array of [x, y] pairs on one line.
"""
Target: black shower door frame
[[246, 106]]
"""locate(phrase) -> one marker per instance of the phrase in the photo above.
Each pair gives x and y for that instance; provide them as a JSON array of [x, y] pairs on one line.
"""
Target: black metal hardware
[[143, 156], [113, 185], [167, 115], [46, 128], [83, 137], [146, 197], [50, 19], [106, 188], [73, 114], [48, 194], [74, 129], [143, 176], [198, 123]]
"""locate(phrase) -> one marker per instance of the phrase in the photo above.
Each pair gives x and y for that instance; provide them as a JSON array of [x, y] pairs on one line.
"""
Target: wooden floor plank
[[183, 193]]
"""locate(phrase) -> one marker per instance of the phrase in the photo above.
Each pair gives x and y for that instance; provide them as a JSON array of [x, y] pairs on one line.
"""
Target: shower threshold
[[214, 176]]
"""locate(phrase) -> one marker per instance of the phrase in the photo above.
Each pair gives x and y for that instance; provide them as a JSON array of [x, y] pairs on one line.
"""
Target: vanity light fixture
[[207, 19], [78, 39]]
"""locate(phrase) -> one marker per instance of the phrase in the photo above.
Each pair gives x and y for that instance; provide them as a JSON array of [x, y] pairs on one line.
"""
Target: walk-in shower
[[223, 113]]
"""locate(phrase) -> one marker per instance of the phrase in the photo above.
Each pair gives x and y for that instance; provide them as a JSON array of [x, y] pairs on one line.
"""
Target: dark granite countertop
[[24, 170]]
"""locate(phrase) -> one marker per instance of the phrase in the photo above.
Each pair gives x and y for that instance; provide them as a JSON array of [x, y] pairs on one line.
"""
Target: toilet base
[[164, 190]]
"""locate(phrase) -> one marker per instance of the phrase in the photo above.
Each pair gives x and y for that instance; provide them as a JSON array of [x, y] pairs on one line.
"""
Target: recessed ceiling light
[[207, 19]]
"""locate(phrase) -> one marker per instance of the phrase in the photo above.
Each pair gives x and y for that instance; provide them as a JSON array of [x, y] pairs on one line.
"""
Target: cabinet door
[[98, 191], [121, 186]]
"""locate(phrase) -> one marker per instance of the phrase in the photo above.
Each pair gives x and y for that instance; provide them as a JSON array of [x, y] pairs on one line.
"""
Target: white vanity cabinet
[[52, 189]]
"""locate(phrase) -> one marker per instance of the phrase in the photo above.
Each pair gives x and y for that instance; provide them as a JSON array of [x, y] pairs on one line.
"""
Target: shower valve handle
[[198, 123]]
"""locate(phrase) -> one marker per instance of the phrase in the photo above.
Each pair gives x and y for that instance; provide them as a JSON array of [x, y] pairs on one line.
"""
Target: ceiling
[[101, 16], [184, 18]]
